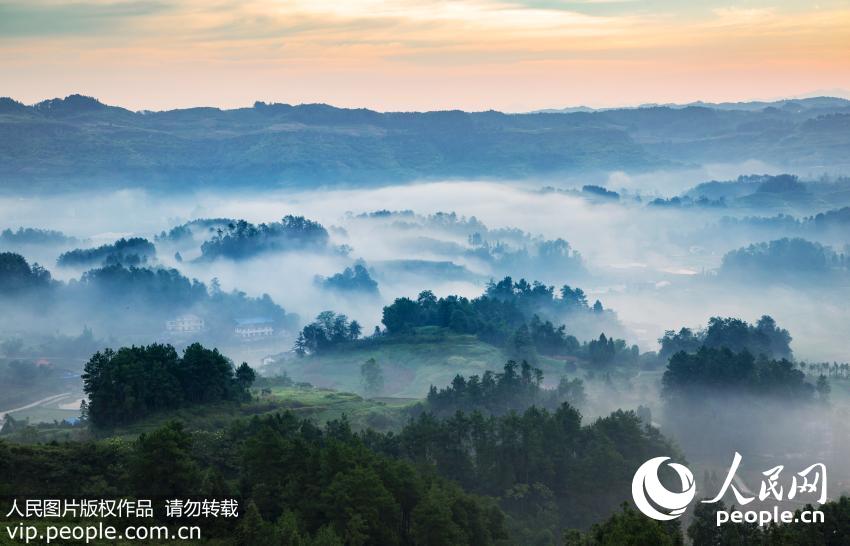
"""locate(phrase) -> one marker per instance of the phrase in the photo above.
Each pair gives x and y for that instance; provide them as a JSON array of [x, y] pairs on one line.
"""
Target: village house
[[185, 324], [249, 329]]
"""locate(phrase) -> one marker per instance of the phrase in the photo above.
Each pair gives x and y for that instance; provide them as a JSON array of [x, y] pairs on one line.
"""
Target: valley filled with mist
[[663, 296]]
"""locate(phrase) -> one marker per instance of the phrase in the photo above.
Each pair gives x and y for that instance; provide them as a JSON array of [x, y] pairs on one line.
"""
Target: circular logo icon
[[647, 487]]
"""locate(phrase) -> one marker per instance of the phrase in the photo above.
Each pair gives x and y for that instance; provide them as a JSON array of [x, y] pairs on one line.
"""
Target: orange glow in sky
[[404, 55]]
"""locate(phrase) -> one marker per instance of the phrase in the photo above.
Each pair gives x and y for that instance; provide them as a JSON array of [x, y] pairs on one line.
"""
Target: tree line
[[547, 469], [242, 239], [509, 315], [722, 370], [134, 251], [764, 337], [132, 383], [517, 387], [329, 330], [298, 484]]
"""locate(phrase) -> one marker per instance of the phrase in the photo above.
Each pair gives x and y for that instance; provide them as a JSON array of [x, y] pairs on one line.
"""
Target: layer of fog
[[645, 263]]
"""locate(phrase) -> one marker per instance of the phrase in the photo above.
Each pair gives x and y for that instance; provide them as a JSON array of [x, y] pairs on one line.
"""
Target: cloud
[[34, 18], [504, 54]]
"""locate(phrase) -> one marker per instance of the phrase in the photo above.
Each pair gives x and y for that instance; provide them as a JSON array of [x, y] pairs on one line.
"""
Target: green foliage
[[518, 387], [17, 277], [510, 315], [131, 252], [822, 387], [784, 260], [763, 338], [372, 377], [299, 484], [241, 239], [576, 473], [704, 531], [126, 385], [626, 528], [352, 280], [834, 530], [411, 363], [721, 370], [245, 376], [328, 331], [162, 466]]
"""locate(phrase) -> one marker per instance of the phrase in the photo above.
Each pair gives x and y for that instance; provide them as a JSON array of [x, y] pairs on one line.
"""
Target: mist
[[654, 267]]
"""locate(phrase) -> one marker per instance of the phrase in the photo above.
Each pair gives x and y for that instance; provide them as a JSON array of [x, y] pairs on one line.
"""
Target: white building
[[249, 329], [185, 324]]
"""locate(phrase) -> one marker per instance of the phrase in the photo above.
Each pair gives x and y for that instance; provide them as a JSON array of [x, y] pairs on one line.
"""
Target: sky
[[433, 54]]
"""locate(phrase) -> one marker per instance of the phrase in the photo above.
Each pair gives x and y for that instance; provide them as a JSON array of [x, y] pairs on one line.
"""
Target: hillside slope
[[79, 143]]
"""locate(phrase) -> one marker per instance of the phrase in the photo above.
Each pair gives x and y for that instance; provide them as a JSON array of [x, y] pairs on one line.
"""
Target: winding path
[[47, 400]]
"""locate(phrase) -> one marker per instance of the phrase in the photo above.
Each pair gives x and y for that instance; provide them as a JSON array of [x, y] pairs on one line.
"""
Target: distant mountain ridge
[[80, 143], [798, 105]]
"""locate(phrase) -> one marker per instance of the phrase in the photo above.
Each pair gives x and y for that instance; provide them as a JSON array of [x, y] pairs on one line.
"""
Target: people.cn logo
[[665, 504]]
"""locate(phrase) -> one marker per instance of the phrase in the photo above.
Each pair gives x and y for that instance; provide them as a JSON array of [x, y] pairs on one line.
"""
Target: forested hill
[[80, 143]]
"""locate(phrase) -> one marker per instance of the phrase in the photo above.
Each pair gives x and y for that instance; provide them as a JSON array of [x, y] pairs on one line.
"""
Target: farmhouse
[[253, 328], [185, 324]]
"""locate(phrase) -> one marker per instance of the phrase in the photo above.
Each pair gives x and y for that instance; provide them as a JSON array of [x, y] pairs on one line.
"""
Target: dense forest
[[785, 259], [486, 472], [351, 281], [507, 315], [491, 459], [134, 251], [517, 387], [763, 338], [726, 372], [133, 382], [528, 472], [299, 484], [241, 239]]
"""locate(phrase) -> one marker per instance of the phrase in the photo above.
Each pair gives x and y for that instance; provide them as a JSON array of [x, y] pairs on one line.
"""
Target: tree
[[245, 376], [433, 523], [252, 530], [326, 332], [372, 377], [401, 316], [356, 279], [300, 346], [205, 374], [287, 531], [162, 465], [823, 389], [726, 371], [602, 351], [16, 275], [354, 330], [521, 346], [626, 528], [129, 384], [704, 531]]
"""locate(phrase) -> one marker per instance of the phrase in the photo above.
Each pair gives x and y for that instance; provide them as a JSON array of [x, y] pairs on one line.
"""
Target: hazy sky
[[405, 55]]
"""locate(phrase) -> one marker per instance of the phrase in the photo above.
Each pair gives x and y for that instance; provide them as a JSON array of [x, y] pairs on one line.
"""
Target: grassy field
[[410, 365], [318, 405]]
